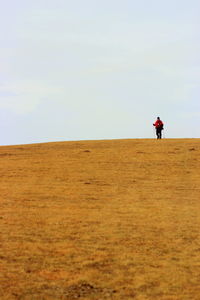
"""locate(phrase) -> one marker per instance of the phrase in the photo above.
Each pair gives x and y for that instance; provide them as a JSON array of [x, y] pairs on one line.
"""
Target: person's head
[[158, 118]]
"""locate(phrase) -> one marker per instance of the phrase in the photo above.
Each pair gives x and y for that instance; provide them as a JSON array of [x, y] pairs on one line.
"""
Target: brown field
[[116, 219]]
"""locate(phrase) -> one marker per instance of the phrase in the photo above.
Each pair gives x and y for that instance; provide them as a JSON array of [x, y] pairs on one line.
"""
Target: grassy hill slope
[[114, 219]]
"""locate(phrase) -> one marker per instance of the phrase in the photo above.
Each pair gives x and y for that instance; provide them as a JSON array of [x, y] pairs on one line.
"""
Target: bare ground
[[99, 220]]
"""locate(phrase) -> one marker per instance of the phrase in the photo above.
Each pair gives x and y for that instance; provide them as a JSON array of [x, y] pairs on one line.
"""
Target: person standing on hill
[[159, 127]]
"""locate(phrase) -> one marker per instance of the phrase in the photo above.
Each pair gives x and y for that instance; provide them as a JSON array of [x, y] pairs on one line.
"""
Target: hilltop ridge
[[108, 219]]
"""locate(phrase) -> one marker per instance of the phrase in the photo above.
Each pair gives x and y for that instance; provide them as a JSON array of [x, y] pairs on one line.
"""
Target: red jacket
[[158, 124]]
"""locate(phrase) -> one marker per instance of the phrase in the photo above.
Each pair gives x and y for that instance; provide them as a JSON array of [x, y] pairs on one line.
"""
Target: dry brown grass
[[100, 220]]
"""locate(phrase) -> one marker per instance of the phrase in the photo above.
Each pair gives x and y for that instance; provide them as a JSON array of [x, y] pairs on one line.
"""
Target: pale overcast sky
[[73, 70]]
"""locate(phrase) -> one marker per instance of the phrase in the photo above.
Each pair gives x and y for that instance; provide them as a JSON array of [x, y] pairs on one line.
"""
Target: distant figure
[[159, 127]]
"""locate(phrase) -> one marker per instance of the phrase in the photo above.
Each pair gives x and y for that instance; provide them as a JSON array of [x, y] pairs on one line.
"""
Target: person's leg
[[157, 133]]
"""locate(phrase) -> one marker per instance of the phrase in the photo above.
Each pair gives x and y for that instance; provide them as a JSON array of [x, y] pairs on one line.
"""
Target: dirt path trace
[[116, 219]]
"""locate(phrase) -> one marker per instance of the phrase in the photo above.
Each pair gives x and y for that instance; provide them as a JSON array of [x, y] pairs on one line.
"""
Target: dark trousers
[[159, 133]]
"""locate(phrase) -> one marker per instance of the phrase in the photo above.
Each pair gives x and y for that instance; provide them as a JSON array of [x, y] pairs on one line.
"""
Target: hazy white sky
[[93, 69]]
